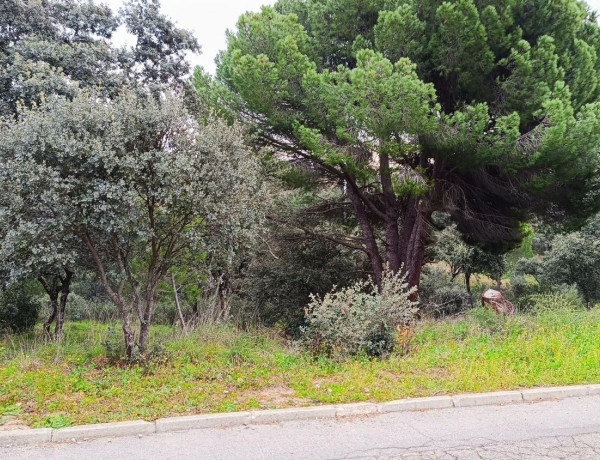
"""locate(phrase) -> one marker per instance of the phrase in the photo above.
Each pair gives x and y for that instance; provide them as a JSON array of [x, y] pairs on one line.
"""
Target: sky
[[209, 19]]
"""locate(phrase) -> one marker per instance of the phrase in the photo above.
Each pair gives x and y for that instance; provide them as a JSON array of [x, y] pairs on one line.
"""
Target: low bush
[[562, 298], [486, 320], [439, 296], [359, 319], [276, 290], [19, 309], [95, 309]]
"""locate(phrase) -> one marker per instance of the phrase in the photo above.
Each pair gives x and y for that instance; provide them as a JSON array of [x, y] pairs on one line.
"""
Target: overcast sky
[[209, 19]]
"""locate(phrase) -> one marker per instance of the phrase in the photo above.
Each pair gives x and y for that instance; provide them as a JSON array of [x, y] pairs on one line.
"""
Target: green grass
[[220, 369]]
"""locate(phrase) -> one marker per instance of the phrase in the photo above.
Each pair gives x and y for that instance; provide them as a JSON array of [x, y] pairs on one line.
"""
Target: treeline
[[389, 150]]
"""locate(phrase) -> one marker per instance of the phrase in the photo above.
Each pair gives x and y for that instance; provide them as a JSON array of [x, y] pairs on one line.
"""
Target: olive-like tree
[[137, 181], [59, 47]]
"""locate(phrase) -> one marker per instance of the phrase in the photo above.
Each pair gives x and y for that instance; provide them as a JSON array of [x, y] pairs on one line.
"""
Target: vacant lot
[[83, 379]]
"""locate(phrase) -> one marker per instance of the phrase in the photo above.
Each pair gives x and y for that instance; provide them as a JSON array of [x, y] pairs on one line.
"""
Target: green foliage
[[563, 298], [62, 46], [19, 309], [278, 289], [466, 259], [574, 258], [469, 107], [459, 48], [90, 309], [359, 319], [222, 369], [136, 181], [399, 33], [440, 296], [486, 320]]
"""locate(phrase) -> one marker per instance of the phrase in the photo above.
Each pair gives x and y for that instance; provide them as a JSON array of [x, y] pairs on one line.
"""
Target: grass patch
[[220, 369]]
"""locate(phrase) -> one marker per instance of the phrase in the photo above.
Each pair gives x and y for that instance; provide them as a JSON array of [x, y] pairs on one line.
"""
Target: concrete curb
[[193, 422], [25, 437], [103, 430], [484, 399]]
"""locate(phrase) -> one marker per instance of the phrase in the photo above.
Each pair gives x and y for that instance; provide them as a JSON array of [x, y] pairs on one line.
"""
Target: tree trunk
[[178, 305], [52, 289], [115, 295], [129, 336], [145, 320], [468, 287], [413, 241], [392, 230], [195, 313], [54, 306], [367, 233], [65, 285]]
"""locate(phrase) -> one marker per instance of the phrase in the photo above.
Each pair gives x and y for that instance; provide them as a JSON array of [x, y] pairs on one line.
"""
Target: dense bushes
[[561, 298], [277, 290], [573, 258], [359, 319], [19, 309], [439, 296]]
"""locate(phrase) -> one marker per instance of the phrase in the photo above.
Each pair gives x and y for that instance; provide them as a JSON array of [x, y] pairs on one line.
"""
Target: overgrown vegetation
[[353, 178], [219, 369], [360, 319], [19, 309]]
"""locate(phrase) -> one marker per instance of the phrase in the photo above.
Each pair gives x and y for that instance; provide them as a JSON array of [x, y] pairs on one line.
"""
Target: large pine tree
[[483, 109]]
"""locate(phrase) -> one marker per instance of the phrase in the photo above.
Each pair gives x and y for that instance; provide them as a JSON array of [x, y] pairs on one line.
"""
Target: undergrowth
[[222, 369]]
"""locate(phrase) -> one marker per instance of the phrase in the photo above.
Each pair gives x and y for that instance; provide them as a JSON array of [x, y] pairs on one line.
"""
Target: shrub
[[277, 290], [485, 319], [573, 258], [19, 309], [521, 287], [563, 298], [80, 308], [359, 319], [439, 296]]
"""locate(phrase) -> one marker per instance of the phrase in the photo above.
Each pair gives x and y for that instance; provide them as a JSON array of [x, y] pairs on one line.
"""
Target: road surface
[[564, 429]]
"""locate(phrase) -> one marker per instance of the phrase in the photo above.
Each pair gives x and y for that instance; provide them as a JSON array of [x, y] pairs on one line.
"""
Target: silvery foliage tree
[[59, 47], [33, 247], [137, 181]]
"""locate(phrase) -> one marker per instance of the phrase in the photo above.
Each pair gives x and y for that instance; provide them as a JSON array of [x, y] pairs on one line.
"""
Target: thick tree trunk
[[392, 236], [413, 238], [367, 233]]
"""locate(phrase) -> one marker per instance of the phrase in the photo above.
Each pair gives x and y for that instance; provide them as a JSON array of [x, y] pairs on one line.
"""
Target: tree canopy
[[62, 46], [485, 110]]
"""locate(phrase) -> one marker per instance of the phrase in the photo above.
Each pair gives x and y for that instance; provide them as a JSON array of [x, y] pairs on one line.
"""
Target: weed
[[219, 369]]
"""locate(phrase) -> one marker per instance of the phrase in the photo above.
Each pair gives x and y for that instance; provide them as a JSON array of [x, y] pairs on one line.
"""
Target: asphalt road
[[565, 429]]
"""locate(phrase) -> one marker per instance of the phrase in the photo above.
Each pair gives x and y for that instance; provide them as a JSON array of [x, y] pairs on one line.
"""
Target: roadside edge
[[80, 433]]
